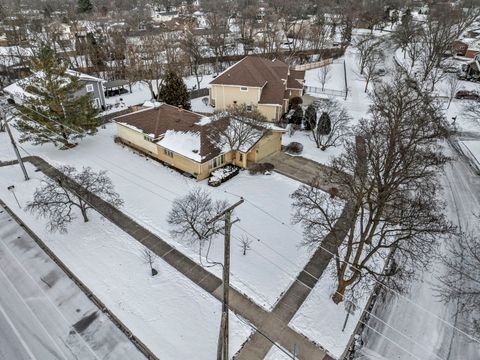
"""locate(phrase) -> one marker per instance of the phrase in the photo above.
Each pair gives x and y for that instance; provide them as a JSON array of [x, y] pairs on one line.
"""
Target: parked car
[[381, 72], [468, 95]]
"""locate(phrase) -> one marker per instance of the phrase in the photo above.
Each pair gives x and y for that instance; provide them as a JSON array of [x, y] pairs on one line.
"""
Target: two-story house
[[89, 85], [266, 85]]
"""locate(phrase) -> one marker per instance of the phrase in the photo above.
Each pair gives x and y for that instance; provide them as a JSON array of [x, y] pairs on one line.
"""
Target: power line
[[295, 231]]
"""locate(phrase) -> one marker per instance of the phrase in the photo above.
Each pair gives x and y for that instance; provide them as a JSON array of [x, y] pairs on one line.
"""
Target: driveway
[[303, 169]]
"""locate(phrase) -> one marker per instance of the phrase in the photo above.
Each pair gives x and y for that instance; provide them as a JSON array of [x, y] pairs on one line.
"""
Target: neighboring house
[[90, 85], [267, 85], [459, 48], [191, 142]]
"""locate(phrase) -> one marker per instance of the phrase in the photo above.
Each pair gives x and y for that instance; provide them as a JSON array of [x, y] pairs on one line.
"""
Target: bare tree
[[461, 280], [365, 47], [149, 258], [245, 244], [332, 124], [190, 216], [56, 201], [397, 214], [237, 128], [436, 39], [372, 66], [472, 110], [324, 75], [453, 85]]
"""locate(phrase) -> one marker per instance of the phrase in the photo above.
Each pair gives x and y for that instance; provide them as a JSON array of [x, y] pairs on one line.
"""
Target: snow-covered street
[[419, 326], [43, 314]]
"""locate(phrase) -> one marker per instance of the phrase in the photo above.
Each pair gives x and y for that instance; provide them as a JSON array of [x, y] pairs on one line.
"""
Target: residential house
[[459, 48], [266, 85], [90, 85], [191, 142]]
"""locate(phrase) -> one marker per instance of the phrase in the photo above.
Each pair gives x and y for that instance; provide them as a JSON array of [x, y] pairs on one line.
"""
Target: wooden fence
[[313, 65]]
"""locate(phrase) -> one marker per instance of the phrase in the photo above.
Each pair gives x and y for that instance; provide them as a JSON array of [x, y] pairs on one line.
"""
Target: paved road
[[426, 336], [43, 314]]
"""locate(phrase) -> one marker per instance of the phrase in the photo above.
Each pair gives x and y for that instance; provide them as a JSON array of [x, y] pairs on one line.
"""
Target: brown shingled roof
[[271, 75], [158, 120], [166, 117]]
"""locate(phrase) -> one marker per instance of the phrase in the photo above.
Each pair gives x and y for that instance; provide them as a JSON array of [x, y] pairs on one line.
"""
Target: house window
[[167, 152], [96, 103], [89, 87], [249, 107], [243, 88], [147, 138], [240, 157], [216, 162]]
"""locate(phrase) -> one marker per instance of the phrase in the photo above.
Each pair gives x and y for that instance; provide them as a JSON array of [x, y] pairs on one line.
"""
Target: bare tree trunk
[[83, 210], [340, 292]]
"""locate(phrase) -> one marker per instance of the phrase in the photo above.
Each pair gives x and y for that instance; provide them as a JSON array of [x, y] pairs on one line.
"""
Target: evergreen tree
[[324, 124], [296, 116], [174, 91], [50, 112], [310, 117], [84, 6]]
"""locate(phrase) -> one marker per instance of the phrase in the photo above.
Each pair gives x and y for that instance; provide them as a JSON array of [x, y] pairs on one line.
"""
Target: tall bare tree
[[393, 193]]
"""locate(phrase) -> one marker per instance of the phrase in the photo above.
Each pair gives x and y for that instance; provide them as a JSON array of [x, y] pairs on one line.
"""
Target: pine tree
[[50, 113], [310, 117], [324, 124], [174, 91], [84, 6]]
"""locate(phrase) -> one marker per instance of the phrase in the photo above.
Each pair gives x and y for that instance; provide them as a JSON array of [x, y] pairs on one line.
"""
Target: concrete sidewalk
[[276, 330]]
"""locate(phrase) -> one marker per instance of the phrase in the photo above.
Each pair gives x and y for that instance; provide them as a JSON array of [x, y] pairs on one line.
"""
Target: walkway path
[[275, 326]]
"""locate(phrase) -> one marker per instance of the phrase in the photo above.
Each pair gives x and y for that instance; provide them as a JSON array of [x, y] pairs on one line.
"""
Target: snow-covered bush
[[294, 148], [223, 174]]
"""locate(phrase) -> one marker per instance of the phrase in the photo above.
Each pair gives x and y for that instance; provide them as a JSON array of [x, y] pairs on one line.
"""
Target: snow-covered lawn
[[335, 76], [310, 150], [170, 314], [149, 188], [321, 320], [471, 148]]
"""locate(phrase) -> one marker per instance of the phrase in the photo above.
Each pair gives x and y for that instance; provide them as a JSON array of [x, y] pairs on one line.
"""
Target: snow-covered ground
[[418, 326], [148, 189], [141, 93], [170, 314], [321, 320], [310, 150]]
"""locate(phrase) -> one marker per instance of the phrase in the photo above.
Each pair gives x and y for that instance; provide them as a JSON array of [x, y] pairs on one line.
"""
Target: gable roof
[[273, 76]]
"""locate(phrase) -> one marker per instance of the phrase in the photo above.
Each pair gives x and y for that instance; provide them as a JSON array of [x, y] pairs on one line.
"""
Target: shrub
[[223, 174], [294, 148], [260, 168]]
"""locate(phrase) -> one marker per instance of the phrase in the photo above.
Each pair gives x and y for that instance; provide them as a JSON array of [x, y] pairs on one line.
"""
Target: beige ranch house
[[191, 142], [266, 85]]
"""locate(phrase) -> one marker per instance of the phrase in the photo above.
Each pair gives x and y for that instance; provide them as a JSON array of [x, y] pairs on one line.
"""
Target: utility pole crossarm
[[229, 209]]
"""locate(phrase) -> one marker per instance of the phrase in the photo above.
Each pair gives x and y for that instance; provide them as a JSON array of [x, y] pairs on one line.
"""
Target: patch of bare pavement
[[43, 314]]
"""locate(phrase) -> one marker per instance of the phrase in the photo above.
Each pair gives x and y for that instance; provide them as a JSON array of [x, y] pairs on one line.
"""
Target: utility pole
[[223, 341], [17, 153]]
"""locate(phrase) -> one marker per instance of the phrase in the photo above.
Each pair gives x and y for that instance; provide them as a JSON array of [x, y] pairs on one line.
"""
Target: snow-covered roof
[[187, 144]]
